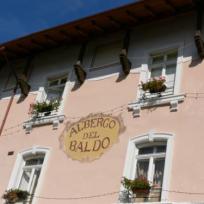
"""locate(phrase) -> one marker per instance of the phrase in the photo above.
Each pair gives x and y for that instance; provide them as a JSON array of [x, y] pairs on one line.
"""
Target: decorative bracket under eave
[[79, 71], [124, 61], [78, 68], [199, 42]]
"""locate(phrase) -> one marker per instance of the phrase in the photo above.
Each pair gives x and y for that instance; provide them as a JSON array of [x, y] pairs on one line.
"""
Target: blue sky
[[22, 17]]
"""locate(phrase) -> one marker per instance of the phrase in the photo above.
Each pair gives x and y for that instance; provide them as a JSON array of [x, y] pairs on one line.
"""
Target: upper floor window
[[164, 65], [55, 87], [161, 76], [106, 55], [49, 99]]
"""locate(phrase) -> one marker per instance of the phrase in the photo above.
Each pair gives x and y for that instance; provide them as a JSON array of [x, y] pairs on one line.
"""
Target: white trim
[[131, 160], [171, 100], [67, 90], [54, 118], [15, 175]]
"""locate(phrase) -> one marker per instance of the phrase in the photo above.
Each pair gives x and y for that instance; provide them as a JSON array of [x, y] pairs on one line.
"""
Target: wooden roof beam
[[149, 9], [115, 22], [10, 52], [23, 48], [81, 31], [40, 45], [170, 4], [132, 16], [48, 37], [65, 34], [98, 27]]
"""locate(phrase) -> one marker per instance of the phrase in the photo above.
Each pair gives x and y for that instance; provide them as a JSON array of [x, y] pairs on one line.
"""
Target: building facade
[[102, 124]]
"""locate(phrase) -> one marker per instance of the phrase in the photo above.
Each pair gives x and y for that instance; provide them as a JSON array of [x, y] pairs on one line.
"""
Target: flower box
[[15, 195], [154, 85], [44, 108], [137, 186]]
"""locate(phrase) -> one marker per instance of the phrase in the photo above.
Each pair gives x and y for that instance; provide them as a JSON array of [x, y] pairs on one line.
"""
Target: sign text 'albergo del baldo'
[[88, 138]]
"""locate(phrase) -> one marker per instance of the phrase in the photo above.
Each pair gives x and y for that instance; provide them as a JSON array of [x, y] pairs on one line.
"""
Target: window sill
[[53, 118], [171, 100]]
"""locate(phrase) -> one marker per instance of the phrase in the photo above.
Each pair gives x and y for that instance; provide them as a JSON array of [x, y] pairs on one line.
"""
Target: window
[[28, 169], [164, 64], [30, 173], [150, 156], [55, 88], [51, 112], [150, 164], [106, 55], [53, 91]]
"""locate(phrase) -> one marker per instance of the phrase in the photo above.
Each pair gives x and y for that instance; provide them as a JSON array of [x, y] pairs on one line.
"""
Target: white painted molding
[[171, 100], [53, 119]]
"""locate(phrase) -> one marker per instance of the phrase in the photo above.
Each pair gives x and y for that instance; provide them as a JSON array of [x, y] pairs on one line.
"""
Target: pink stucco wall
[[67, 178]]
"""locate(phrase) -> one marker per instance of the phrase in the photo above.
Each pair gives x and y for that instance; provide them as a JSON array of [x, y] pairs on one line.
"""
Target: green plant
[[154, 85], [15, 195], [46, 106], [137, 185]]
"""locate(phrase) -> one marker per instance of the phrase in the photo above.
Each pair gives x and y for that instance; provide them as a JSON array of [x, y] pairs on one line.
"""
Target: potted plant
[[154, 85], [139, 185], [15, 195], [44, 107]]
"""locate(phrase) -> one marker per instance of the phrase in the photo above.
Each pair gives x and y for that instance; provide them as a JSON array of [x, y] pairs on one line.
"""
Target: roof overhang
[[121, 18]]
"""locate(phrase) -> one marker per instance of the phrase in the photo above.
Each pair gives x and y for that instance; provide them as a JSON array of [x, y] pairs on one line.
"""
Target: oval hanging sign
[[88, 138]]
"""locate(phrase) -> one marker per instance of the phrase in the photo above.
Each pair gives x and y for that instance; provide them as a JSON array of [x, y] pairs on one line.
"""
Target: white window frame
[[151, 157], [42, 95], [55, 117], [18, 168], [145, 68], [132, 152], [171, 100]]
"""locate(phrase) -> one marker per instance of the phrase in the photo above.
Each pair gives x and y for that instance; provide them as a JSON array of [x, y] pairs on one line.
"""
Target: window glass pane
[[157, 59], [142, 168], [53, 83], [172, 56], [156, 72], [146, 150], [25, 179], [158, 172], [34, 161], [160, 149], [55, 93], [63, 80], [34, 181], [170, 74]]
